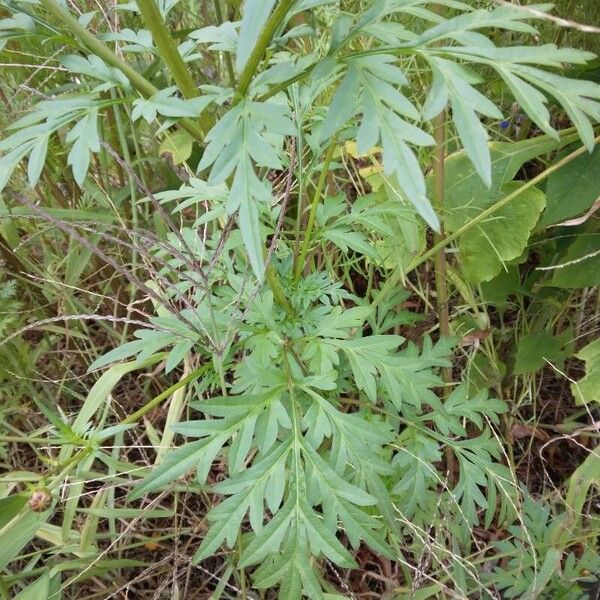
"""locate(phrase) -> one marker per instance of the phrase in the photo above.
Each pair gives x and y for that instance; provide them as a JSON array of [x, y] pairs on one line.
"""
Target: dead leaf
[[474, 338], [580, 220], [522, 430]]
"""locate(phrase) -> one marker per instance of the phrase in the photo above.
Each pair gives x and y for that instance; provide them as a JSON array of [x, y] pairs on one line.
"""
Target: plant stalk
[[441, 281], [233, 7], [132, 418], [279, 296], [140, 83], [264, 38], [167, 47]]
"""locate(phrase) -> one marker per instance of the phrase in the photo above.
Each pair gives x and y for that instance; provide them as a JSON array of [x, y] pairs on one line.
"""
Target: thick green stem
[[301, 260], [140, 83], [169, 52], [167, 48], [262, 43], [397, 275]]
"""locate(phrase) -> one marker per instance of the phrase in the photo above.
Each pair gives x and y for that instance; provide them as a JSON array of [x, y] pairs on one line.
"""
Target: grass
[[77, 284]]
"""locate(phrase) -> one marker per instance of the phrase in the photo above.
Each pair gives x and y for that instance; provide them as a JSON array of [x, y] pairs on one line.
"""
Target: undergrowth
[[299, 299]]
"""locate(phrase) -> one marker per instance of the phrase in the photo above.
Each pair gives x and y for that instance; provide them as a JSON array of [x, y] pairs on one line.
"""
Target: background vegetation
[[299, 299]]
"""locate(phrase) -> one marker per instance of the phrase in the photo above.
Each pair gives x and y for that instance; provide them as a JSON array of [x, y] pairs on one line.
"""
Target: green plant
[[335, 431]]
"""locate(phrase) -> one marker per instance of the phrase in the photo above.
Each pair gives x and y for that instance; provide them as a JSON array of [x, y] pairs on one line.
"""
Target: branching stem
[[98, 47], [169, 53], [262, 43], [167, 47]]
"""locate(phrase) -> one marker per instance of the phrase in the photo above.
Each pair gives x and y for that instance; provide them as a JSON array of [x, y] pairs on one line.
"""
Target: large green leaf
[[36, 590], [588, 388], [374, 83], [265, 480], [250, 134], [498, 290], [177, 146], [535, 349], [98, 394], [530, 84], [367, 356], [10, 508], [292, 569], [580, 266], [587, 474], [465, 194], [17, 533], [549, 566], [488, 246], [416, 475], [573, 189], [452, 82], [502, 238]]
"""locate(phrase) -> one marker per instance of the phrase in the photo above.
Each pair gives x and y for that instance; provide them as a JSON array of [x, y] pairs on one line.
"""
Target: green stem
[[264, 38], [313, 211], [140, 83], [284, 85], [234, 7], [66, 467], [398, 274], [167, 48], [98, 47], [132, 418], [18, 439], [169, 52]]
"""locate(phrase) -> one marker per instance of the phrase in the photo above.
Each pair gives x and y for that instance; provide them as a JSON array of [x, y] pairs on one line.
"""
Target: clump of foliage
[[243, 201]]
